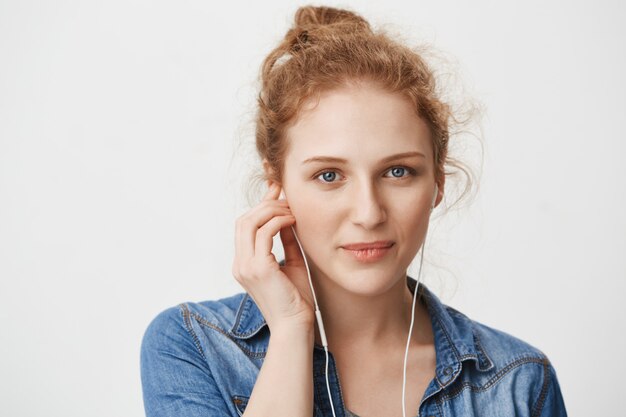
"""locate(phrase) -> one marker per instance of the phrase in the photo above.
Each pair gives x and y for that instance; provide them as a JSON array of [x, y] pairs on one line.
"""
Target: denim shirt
[[202, 359]]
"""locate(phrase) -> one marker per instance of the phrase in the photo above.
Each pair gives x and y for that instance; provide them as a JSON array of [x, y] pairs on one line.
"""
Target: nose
[[368, 209]]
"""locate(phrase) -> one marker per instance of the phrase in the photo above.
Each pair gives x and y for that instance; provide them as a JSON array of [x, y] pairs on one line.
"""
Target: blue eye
[[398, 171], [328, 176]]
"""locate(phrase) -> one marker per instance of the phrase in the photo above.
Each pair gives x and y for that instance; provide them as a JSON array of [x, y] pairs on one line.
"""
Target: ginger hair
[[327, 48]]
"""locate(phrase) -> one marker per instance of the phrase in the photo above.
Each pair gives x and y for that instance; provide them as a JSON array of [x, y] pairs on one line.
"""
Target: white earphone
[[320, 322]]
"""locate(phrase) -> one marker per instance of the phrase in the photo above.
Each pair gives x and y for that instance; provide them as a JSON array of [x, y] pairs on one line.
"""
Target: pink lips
[[369, 251]]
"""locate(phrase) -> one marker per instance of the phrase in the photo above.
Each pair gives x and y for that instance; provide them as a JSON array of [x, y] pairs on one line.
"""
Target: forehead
[[357, 119]]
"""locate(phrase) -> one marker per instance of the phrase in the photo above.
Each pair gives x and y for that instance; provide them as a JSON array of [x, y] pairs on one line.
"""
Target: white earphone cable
[[408, 341], [323, 334], [320, 323]]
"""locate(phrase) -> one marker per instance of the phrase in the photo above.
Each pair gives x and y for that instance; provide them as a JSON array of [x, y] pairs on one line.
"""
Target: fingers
[[264, 237], [248, 226], [273, 192], [293, 255]]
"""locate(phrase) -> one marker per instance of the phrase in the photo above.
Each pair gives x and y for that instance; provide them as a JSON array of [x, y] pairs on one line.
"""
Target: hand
[[282, 293]]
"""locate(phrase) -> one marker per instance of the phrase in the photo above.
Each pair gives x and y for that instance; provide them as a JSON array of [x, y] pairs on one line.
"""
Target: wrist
[[294, 330]]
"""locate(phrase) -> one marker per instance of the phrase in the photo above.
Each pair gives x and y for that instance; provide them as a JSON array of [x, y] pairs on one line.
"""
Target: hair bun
[[316, 23], [308, 16]]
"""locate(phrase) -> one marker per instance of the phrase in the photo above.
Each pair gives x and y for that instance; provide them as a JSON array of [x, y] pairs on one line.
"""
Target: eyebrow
[[333, 159]]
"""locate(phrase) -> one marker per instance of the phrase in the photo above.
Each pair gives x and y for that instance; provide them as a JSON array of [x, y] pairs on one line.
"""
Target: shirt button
[[447, 371]]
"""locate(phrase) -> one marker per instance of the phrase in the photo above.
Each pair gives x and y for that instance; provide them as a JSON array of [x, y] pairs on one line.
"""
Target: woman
[[354, 137]]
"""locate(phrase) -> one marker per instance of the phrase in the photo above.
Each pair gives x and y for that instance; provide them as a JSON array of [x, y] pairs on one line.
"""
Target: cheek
[[411, 218], [316, 224]]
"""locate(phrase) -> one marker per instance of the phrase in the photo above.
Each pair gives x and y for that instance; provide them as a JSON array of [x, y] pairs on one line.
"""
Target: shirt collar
[[455, 338]]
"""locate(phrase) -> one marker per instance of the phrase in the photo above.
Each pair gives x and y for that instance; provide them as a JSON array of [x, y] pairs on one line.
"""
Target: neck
[[380, 321]]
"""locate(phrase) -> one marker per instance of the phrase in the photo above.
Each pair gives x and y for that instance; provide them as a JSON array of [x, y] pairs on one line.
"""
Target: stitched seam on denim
[[203, 321], [238, 318], [420, 413], [253, 331], [480, 347], [439, 408], [239, 312], [499, 375], [187, 320], [544, 389], [456, 353]]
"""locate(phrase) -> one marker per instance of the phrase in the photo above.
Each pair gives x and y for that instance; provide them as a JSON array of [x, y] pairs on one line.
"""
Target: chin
[[365, 279]]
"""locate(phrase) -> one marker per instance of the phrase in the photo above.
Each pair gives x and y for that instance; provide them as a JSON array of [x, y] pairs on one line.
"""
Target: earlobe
[[439, 189], [436, 199], [435, 194]]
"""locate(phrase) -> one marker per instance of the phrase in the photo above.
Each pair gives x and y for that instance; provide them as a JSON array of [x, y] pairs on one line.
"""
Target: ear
[[440, 190], [269, 172]]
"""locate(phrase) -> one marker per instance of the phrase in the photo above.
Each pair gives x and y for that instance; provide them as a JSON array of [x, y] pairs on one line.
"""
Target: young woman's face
[[359, 169]]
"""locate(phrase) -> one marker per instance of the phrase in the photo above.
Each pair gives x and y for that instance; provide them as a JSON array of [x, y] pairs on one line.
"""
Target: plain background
[[119, 189]]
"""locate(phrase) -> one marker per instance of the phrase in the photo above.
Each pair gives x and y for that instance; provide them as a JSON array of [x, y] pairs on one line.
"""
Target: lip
[[373, 252], [379, 244]]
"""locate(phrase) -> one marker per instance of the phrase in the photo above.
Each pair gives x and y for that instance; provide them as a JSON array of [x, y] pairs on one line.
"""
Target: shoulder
[[524, 368], [465, 338], [185, 320], [503, 347], [506, 366], [189, 359]]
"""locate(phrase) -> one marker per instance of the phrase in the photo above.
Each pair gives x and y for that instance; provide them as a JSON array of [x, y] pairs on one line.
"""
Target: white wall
[[118, 195]]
